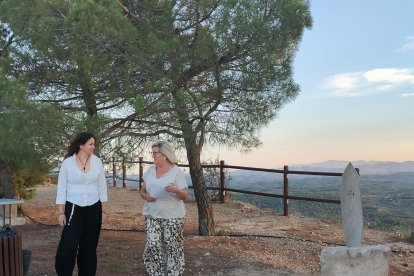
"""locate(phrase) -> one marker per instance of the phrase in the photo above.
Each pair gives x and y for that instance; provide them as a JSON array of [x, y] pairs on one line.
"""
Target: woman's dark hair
[[78, 140]]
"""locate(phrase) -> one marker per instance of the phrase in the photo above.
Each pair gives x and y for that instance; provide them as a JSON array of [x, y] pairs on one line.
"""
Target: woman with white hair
[[164, 189]]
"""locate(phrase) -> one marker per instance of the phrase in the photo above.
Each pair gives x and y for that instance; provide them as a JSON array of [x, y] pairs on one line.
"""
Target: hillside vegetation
[[387, 199], [387, 190]]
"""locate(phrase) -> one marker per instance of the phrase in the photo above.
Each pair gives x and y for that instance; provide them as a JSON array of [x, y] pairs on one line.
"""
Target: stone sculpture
[[354, 258], [351, 208]]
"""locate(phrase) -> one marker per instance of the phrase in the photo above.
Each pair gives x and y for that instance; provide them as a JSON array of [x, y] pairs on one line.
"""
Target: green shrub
[[24, 182]]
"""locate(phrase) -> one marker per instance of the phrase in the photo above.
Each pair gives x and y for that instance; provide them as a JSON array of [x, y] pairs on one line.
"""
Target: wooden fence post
[[123, 174], [222, 180], [113, 171], [141, 170], [285, 191]]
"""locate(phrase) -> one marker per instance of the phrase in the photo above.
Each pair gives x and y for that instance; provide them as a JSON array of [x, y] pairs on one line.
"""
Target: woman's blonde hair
[[167, 150]]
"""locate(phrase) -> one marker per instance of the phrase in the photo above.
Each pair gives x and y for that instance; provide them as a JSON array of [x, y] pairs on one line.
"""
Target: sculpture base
[[365, 260], [14, 221]]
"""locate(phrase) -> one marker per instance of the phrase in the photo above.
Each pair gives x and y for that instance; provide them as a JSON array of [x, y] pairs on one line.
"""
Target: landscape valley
[[387, 190]]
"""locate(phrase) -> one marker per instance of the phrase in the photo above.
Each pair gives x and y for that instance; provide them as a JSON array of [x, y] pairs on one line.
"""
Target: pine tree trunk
[[205, 209], [5, 181]]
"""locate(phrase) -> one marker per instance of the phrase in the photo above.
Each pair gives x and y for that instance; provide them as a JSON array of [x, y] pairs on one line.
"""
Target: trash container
[[27, 256], [10, 252]]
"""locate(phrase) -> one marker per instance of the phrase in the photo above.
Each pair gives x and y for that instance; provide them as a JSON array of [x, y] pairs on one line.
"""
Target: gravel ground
[[250, 241]]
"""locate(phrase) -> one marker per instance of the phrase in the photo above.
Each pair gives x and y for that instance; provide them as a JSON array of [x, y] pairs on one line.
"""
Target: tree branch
[[132, 16]]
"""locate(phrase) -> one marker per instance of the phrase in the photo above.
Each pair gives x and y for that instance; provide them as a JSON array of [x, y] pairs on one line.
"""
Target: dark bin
[[11, 263], [27, 256]]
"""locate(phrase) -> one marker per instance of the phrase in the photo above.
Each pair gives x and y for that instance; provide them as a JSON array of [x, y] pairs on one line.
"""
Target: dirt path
[[251, 241], [120, 253]]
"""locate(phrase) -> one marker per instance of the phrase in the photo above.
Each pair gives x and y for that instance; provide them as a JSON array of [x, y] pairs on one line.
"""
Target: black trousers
[[79, 240]]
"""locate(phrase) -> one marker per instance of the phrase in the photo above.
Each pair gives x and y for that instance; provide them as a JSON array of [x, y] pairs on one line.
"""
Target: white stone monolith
[[351, 208], [354, 258]]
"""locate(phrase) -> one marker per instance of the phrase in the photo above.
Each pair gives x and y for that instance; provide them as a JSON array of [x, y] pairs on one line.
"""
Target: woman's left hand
[[171, 188], [180, 193]]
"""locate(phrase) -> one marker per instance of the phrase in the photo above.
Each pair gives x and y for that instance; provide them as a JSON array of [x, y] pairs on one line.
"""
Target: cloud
[[374, 81], [390, 75], [408, 45], [407, 94]]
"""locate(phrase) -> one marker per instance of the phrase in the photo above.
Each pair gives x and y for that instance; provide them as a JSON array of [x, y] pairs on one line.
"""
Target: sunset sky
[[355, 68]]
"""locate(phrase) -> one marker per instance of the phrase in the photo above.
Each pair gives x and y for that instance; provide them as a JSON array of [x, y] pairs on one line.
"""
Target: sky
[[355, 68]]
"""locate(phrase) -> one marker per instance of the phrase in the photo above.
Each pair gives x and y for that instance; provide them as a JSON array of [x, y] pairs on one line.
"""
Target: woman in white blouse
[[164, 189], [81, 189]]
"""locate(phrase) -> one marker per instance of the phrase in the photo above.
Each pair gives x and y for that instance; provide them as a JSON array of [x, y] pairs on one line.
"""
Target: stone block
[[7, 209], [351, 261], [14, 221]]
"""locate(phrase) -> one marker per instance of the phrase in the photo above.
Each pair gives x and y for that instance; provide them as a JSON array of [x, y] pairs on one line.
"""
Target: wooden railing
[[223, 189]]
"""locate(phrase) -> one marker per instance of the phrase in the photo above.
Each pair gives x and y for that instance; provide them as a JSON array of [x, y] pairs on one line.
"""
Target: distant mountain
[[395, 170], [366, 167]]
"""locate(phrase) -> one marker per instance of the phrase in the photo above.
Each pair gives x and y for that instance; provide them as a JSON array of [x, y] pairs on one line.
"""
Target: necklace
[[84, 164]]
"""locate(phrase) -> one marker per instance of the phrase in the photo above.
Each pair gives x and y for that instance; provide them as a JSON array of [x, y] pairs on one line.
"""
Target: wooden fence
[[223, 189]]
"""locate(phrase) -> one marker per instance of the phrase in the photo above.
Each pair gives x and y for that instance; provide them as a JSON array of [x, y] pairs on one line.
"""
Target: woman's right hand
[[62, 219], [149, 198], [145, 195]]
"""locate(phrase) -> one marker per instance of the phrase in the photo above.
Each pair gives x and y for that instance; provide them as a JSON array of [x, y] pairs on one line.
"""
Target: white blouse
[[81, 188], [167, 205]]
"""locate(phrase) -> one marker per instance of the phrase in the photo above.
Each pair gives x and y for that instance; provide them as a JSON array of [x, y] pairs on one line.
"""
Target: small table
[[10, 202]]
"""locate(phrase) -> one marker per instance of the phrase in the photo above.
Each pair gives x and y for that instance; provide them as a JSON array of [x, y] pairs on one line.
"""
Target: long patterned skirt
[[164, 248]]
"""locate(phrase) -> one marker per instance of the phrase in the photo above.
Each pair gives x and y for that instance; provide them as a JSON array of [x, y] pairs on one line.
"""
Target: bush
[[212, 179], [24, 182]]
